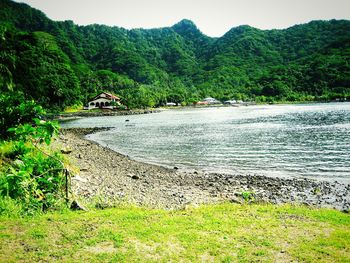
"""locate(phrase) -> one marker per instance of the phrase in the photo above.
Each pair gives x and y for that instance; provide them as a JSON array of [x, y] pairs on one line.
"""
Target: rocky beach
[[97, 113], [110, 176]]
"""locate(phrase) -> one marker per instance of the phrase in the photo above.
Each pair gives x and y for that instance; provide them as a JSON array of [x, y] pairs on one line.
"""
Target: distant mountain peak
[[185, 22], [187, 28], [185, 25]]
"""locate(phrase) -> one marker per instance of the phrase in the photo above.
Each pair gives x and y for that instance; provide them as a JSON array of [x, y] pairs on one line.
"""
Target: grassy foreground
[[213, 233]]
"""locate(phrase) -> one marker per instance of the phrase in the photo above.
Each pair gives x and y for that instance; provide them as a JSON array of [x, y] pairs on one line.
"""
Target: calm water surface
[[285, 140]]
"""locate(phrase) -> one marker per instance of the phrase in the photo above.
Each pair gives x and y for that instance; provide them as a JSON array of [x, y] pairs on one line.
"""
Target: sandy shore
[[110, 175]]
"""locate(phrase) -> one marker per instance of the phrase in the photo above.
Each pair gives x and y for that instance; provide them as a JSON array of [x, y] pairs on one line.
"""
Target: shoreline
[[83, 114], [111, 176]]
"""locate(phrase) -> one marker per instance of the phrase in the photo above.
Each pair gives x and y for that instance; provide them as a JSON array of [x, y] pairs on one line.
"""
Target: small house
[[103, 101], [231, 102], [169, 104], [211, 101]]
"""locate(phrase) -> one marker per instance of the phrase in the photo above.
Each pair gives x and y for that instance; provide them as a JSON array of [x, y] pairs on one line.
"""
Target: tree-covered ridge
[[60, 63]]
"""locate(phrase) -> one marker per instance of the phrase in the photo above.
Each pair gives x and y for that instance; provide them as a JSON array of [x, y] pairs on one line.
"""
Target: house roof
[[209, 98], [108, 96]]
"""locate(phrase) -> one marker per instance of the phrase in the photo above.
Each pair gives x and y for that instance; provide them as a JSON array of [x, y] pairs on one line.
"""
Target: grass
[[212, 233]]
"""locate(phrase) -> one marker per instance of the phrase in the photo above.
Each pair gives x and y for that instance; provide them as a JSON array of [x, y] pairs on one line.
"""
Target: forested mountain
[[61, 64]]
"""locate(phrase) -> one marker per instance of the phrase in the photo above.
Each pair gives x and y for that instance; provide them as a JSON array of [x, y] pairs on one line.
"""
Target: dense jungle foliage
[[61, 64]]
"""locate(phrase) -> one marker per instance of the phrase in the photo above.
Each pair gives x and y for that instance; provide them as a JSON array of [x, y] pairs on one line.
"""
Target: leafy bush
[[30, 172], [16, 110]]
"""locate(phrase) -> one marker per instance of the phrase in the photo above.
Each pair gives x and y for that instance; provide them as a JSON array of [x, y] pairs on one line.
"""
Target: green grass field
[[213, 233]]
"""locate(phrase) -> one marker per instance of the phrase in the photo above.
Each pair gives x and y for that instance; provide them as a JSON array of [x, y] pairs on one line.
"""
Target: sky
[[213, 17]]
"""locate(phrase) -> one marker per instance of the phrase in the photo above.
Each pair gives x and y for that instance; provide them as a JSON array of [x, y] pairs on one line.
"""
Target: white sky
[[212, 17]]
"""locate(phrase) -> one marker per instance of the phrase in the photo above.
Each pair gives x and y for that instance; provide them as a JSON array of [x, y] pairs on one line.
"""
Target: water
[[279, 140]]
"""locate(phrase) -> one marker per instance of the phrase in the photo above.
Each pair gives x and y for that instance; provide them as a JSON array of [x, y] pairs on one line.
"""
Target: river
[[305, 140]]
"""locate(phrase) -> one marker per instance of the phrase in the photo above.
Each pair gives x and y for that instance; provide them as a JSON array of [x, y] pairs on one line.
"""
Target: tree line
[[60, 64]]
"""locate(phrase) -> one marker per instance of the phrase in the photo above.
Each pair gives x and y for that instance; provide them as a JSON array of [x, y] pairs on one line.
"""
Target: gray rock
[[75, 205], [66, 150]]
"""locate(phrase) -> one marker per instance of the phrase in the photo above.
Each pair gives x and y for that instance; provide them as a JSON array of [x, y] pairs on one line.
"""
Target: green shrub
[[248, 196], [16, 110], [30, 172]]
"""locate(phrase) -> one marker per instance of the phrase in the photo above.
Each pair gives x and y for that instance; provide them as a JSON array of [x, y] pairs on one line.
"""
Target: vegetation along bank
[[61, 64]]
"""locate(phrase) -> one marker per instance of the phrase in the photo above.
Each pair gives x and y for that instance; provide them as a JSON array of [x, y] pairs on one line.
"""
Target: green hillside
[[61, 64]]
